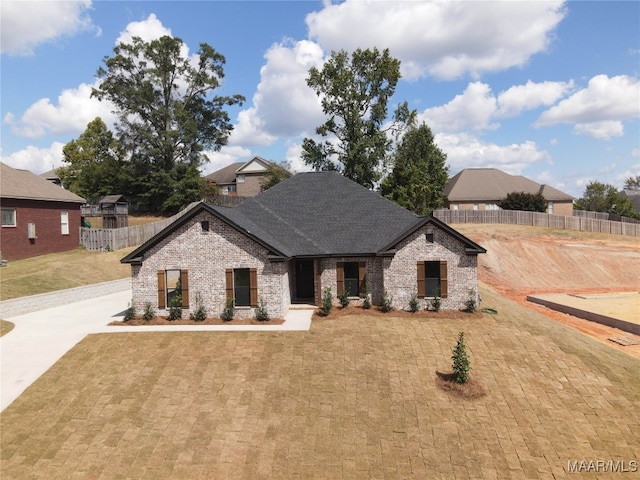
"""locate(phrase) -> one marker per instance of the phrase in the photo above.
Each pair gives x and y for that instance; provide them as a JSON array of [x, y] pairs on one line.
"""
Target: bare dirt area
[[523, 260]]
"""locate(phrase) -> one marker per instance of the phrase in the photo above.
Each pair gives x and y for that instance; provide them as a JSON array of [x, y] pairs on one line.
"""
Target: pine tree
[[461, 364]]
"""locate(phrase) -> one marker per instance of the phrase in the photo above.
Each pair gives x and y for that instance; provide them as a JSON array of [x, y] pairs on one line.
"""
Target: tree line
[[168, 116]]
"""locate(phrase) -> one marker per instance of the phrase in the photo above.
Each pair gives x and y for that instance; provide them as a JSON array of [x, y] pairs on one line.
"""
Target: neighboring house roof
[[317, 214], [634, 196], [51, 175], [227, 175], [491, 184], [23, 184], [113, 199]]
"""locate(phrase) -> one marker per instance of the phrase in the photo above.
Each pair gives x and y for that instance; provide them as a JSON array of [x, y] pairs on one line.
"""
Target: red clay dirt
[[524, 260]]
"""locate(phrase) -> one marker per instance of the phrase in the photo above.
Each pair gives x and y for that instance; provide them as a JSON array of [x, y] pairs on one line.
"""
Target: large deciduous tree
[[632, 183], [354, 93], [419, 173], [167, 115], [601, 197], [94, 164]]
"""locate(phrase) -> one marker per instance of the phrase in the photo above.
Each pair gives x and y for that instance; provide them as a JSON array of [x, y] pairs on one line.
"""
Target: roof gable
[[255, 165], [22, 184]]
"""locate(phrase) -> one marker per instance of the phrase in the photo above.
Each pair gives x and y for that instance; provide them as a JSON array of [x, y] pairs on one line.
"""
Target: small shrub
[[470, 304], [129, 313], [200, 314], [387, 302], [175, 308], [261, 312], [436, 301], [344, 299], [229, 311], [148, 313], [414, 304], [327, 301], [366, 301], [461, 364]]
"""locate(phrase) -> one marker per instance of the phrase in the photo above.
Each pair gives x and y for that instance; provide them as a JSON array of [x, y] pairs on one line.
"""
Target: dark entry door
[[304, 280]]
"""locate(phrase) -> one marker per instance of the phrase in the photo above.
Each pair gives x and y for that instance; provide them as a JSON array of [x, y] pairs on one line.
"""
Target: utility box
[[31, 231]]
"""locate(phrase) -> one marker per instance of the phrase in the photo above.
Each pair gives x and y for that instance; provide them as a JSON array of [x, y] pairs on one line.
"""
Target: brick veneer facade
[[400, 271], [46, 215], [206, 255]]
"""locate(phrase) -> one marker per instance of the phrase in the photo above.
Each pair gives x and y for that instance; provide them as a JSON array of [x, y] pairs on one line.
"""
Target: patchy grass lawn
[[355, 397], [57, 271]]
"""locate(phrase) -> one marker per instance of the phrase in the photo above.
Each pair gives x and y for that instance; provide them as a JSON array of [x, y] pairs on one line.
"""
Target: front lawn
[[355, 397]]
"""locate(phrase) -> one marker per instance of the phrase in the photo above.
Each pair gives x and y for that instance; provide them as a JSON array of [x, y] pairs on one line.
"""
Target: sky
[[548, 90]]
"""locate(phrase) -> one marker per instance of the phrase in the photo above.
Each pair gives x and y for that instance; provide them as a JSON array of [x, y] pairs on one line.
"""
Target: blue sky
[[548, 90]]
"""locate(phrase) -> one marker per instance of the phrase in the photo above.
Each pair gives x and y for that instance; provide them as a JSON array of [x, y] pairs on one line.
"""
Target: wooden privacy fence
[[536, 219], [118, 238]]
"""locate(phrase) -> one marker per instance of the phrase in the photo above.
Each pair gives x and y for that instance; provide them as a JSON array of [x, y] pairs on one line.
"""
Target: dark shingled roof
[[317, 214], [322, 213]]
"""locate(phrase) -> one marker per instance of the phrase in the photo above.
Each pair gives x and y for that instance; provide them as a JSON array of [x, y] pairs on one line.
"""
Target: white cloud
[[283, 104], [441, 39], [472, 110], [635, 152], [530, 96], [74, 110], [548, 178], [36, 160], [600, 130], [599, 109], [26, 25], [149, 29], [466, 151]]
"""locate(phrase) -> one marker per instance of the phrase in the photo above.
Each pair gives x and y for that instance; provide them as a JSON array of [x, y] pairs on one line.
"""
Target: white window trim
[[64, 222], [14, 215]]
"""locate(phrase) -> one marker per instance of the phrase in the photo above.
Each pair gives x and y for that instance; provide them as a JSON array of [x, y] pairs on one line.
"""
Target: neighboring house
[[38, 217], [243, 179], [483, 188], [312, 231], [52, 176], [634, 196]]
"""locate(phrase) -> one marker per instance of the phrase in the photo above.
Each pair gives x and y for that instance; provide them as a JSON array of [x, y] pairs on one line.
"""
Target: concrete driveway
[[43, 335]]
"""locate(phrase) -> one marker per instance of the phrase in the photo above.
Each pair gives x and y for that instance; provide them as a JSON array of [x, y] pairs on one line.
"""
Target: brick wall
[[400, 271], [251, 186], [206, 256], [373, 267], [14, 241]]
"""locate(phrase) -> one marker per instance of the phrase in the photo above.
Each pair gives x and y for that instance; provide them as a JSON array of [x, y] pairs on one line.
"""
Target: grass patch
[[5, 327], [57, 271]]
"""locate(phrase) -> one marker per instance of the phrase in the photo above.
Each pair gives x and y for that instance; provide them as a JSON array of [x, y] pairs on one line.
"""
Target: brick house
[[38, 217], [312, 231], [243, 179], [483, 188]]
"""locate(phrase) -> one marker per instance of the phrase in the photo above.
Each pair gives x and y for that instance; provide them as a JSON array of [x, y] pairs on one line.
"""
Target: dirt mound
[[523, 260]]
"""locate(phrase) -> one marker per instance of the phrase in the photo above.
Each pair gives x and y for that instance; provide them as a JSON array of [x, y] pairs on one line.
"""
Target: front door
[[304, 280]]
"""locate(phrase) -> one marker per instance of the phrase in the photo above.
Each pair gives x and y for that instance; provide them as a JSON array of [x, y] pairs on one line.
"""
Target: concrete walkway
[[44, 333]]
